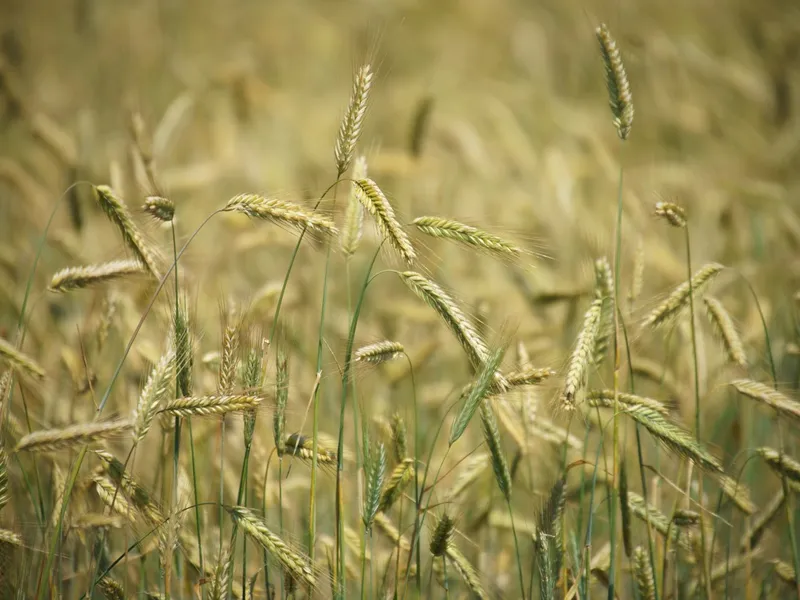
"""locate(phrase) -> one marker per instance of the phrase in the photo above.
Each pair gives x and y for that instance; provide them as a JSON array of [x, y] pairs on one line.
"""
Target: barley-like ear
[[9, 537], [679, 298], [222, 576], [440, 227], [375, 468], [528, 376], [228, 358], [582, 355], [619, 90], [604, 290], [204, 406], [19, 361], [281, 212], [302, 446], [5, 494], [769, 396], [466, 571], [491, 435], [637, 279], [281, 397], [350, 129], [376, 203], [550, 530], [451, 314], [643, 573], [379, 352], [723, 326], [154, 391], [49, 440], [786, 572], [75, 278], [399, 437], [686, 518], [672, 213], [652, 516], [118, 213], [782, 464], [251, 382], [402, 474], [138, 495], [442, 535], [255, 529], [160, 208], [182, 342], [478, 393], [354, 215], [605, 399]]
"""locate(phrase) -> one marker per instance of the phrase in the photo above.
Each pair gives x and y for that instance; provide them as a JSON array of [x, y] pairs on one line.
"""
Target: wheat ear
[[723, 326], [679, 298], [582, 355], [440, 227], [19, 361], [203, 406], [350, 129], [75, 278], [281, 212], [376, 204], [379, 352], [354, 214], [769, 396], [154, 391], [48, 440], [619, 90]]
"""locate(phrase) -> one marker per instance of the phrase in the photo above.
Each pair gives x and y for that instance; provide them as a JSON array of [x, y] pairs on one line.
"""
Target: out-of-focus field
[[492, 113]]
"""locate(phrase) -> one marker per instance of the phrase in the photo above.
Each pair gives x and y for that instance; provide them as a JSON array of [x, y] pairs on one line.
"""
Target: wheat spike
[[281, 212], [399, 437], [604, 290], [376, 204], [645, 580], [466, 571], [780, 463], [48, 440], [679, 298], [152, 394], [442, 535], [354, 214], [723, 326], [203, 406], [737, 492], [402, 474], [478, 392], [451, 314], [75, 278], [5, 494], [582, 355], [491, 435], [19, 361], [674, 215], [281, 398], [118, 213], [160, 208], [761, 522], [605, 399], [303, 447], [374, 468], [254, 527], [379, 352], [350, 129], [440, 227], [769, 396], [619, 90]]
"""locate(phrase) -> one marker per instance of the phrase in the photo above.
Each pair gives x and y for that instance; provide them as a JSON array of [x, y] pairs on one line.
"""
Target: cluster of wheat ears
[[434, 497]]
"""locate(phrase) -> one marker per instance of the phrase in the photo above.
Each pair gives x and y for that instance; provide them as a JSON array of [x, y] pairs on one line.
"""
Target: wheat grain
[[49, 440], [203, 406], [679, 298], [619, 89], [723, 326], [281, 212], [350, 128], [376, 204]]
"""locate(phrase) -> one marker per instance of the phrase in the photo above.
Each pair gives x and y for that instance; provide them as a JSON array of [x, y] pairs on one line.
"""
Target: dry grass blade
[[723, 326], [679, 298], [376, 203], [281, 212], [582, 355], [350, 129], [769, 396], [451, 314], [19, 361], [440, 227], [203, 406], [625, 510], [75, 278], [619, 89], [48, 440], [293, 561], [118, 213], [379, 352]]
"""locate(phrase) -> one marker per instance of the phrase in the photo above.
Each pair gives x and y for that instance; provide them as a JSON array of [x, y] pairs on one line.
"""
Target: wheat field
[[478, 299]]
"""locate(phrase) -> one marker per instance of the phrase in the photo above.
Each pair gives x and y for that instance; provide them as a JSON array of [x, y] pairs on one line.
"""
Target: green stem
[[516, 549]]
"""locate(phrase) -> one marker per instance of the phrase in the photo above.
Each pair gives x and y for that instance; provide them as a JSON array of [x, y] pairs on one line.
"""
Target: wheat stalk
[[118, 213], [281, 212], [350, 128], [679, 298], [619, 90], [74, 278], [48, 440], [440, 227], [376, 204], [203, 406], [769, 396]]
